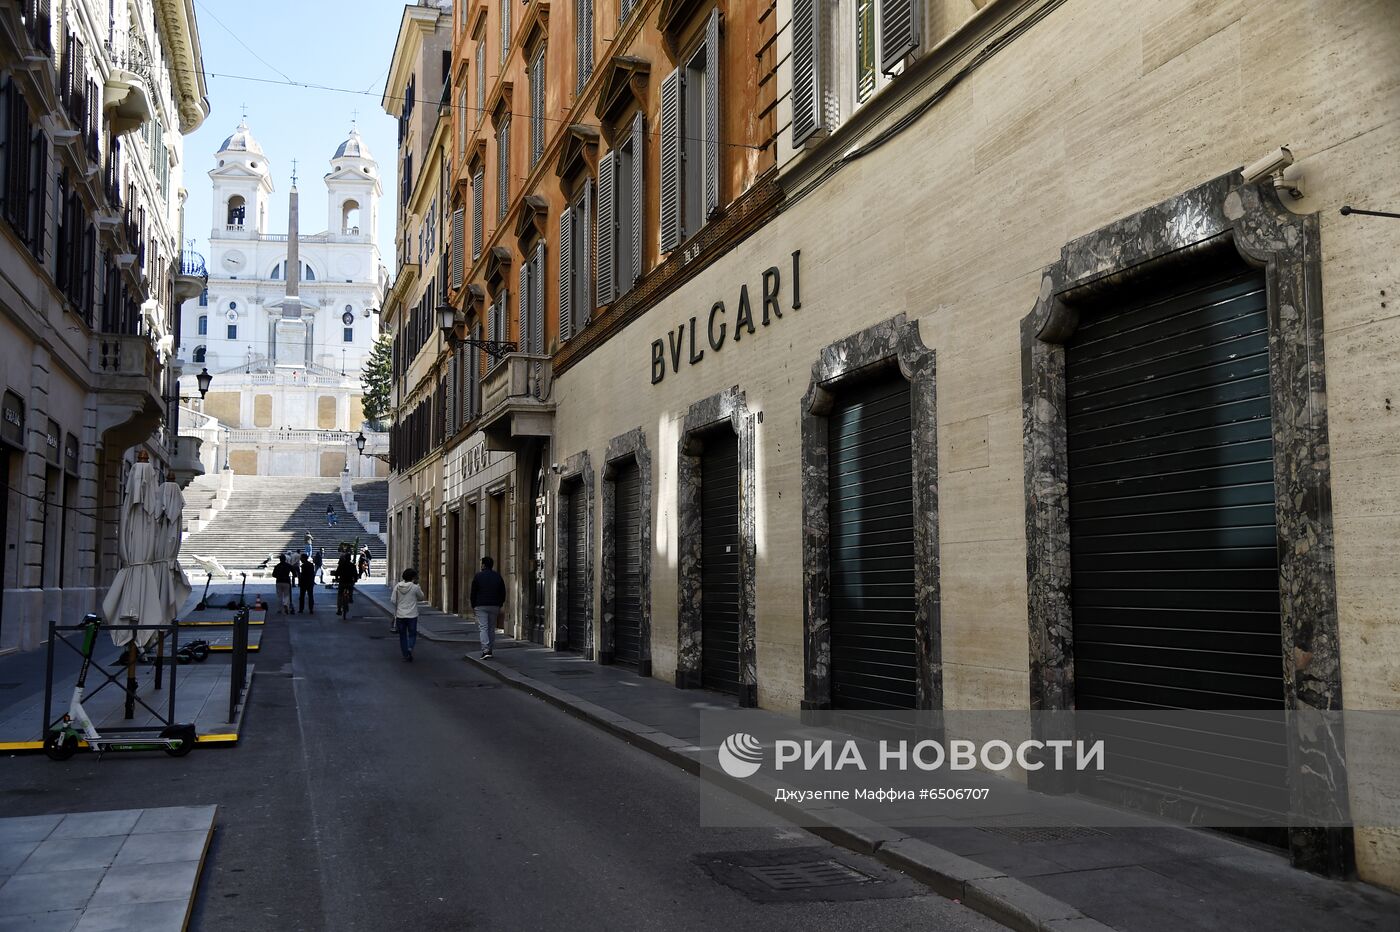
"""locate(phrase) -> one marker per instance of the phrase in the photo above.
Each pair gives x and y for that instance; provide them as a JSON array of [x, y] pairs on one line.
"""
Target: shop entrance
[[719, 561], [627, 563], [454, 562], [578, 595], [870, 472]]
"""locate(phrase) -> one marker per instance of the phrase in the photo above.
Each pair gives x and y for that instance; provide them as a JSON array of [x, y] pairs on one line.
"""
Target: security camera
[[554, 468], [1271, 164]]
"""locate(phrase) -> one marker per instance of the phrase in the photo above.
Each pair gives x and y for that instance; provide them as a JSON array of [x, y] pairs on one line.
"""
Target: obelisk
[[290, 344]]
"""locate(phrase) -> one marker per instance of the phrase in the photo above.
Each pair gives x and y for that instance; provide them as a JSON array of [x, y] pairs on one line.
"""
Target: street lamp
[[205, 380], [360, 442], [449, 318]]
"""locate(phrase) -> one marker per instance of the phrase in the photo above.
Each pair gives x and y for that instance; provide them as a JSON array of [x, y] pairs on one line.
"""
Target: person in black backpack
[[318, 557], [282, 574], [345, 576], [306, 584]]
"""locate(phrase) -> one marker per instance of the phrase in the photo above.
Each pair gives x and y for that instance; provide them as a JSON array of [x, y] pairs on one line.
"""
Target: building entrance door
[[719, 562], [873, 657], [627, 564]]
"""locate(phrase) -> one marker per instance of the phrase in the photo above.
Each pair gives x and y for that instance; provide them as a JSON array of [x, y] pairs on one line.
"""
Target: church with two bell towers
[[288, 320]]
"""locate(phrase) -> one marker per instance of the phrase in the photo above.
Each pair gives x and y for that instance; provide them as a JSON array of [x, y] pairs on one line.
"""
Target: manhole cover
[[1059, 833], [807, 874]]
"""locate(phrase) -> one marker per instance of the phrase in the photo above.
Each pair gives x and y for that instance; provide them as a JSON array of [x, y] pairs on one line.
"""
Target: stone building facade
[[1013, 390], [94, 101]]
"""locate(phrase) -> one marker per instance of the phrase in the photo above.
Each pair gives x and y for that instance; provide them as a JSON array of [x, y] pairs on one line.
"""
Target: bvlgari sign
[[686, 344]]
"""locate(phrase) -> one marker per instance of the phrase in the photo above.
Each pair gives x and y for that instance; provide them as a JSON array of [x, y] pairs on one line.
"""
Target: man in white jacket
[[406, 596]]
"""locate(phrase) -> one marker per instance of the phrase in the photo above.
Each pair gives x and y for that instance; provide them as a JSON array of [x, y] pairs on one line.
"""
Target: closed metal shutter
[[576, 626], [627, 565], [870, 466], [1174, 560], [719, 563]]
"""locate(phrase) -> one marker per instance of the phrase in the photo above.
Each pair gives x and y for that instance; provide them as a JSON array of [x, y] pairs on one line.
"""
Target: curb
[[984, 889]]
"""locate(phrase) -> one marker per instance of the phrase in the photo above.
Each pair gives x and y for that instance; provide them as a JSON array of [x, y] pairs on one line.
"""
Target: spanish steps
[[271, 514]]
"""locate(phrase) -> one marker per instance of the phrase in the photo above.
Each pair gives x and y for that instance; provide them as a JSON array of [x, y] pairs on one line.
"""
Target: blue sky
[[340, 45]]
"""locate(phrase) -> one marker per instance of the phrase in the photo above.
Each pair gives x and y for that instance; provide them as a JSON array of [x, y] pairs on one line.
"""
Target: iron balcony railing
[[38, 22], [192, 263]]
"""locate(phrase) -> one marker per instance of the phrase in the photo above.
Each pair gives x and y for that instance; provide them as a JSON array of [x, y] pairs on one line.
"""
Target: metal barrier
[[238, 671], [57, 635]]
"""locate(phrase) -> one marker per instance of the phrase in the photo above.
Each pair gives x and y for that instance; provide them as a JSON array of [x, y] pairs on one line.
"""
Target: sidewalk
[[1074, 879], [132, 870]]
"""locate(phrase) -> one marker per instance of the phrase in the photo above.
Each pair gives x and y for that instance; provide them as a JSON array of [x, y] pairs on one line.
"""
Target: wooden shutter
[[480, 80], [806, 71], [537, 301], [503, 169], [537, 107], [522, 333], [710, 147], [639, 161], [671, 181], [566, 278], [505, 29], [450, 393], [585, 266], [459, 236], [474, 375], [478, 210], [901, 28], [583, 36], [607, 228]]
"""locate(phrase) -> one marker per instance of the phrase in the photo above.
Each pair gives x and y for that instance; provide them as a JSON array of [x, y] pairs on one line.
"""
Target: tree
[[377, 378]]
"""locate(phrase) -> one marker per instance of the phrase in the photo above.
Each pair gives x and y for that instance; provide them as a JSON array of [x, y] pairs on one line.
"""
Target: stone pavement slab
[[131, 870], [1137, 879]]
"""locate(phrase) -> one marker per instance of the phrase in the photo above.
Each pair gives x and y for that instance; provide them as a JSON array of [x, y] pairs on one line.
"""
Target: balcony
[[192, 277], [515, 402], [127, 373], [128, 94]]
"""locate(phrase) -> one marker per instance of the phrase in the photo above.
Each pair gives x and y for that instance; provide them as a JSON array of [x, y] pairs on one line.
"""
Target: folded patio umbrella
[[140, 591], [170, 528]]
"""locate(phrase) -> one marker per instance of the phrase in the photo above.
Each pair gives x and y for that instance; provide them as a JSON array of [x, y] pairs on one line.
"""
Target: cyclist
[[345, 576]]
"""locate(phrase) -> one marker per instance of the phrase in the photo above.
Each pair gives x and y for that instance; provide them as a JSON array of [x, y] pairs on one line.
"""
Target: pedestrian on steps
[[488, 594], [306, 584], [318, 556], [406, 596], [330, 516], [282, 575]]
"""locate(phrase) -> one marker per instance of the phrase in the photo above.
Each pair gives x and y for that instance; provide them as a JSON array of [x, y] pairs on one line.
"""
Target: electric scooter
[[62, 740]]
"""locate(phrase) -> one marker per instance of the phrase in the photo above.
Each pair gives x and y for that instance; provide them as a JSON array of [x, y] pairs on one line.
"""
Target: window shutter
[[504, 315], [712, 85], [583, 35], [523, 331], [503, 169], [566, 278], [480, 80], [639, 161], [474, 375], [451, 394], [478, 210], [505, 29], [806, 71], [585, 266], [537, 301], [537, 108], [671, 161], [607, 228], [901, 28], [459, 237]]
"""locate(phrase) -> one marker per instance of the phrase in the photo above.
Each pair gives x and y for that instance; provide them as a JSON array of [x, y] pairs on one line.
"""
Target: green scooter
[[63, 739]]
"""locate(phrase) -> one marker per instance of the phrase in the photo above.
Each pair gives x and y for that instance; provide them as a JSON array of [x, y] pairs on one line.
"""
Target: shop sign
[[12, 425], [53, 449], [685, 344], [70, 454], [475, 460]]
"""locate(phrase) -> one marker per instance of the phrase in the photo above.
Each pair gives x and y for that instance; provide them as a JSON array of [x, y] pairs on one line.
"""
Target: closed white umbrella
[[138, 594], [170, 529]]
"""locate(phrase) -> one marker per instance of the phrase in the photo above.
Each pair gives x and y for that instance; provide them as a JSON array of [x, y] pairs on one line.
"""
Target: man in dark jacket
[[306, 584], [487, 596], [282, 575], [345, 577]]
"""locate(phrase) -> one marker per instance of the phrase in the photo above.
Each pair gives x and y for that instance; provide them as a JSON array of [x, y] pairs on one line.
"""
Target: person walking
[[488, 595], [282, 575], [345, 581], [406, 596], [330, 516], [306, 584], [318, 557], [364, 562]]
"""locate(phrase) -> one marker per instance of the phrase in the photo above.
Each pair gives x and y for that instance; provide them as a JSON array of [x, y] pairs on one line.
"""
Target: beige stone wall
[[243, 462], [1098, 111], [262, 410], [332, 463], [325, 412], [226, 406], [357, 412]]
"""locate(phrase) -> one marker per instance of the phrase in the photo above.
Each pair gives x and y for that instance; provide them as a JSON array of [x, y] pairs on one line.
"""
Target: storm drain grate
[[807, 874], [572, 672], [1059, 833]]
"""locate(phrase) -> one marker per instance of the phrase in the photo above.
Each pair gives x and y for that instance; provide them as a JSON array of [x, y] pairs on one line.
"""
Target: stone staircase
[[270, 514], [372, 496]]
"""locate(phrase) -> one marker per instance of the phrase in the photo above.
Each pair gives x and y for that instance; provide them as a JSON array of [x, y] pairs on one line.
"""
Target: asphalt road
[[372, 794]]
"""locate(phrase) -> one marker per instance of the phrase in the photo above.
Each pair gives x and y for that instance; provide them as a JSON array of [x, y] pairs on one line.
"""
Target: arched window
[[204, 298], [277, 271], [237, 208], [199, 353], [306, 273], [350, 218], [203, 324]]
